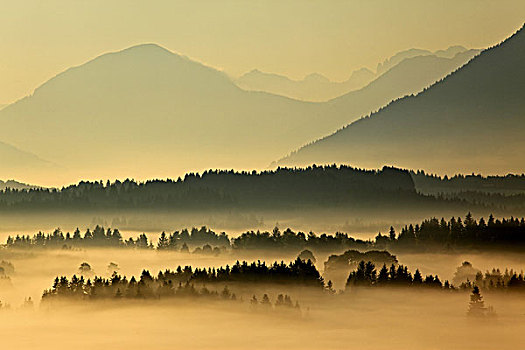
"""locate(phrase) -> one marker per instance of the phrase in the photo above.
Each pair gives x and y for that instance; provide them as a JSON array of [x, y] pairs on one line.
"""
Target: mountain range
[[314, 87], [12, 184], [317, 88], [147, 112], [471, 121]]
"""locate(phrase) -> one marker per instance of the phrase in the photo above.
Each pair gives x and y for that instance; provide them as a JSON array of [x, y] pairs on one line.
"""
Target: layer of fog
[[362, 319], [362, 224]]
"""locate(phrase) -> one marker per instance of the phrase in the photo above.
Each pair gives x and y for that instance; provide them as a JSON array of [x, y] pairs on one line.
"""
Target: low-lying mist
[[359, 318], [360, 224]]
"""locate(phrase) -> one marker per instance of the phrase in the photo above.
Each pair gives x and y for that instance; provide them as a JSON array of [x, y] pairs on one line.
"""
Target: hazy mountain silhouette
[[12, 184], [136, 111], [146, 112], [314, 87], [410, 76], [472, 121], [15, 163], [402, 55], [2, 106]]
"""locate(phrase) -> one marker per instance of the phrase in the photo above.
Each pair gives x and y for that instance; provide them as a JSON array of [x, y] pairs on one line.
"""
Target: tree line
[[495, 280], [284, 188], [203, 238], [366, 275], [457, 233], [190, 282], [430, 235]]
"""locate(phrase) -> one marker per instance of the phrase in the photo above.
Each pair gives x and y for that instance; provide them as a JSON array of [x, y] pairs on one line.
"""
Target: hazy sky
[[42, 38]]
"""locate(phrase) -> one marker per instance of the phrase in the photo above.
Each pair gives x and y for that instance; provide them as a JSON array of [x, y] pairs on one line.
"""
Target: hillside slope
[[146, 112], [318, 88], [313, 87], [472, 121], [15, 163]]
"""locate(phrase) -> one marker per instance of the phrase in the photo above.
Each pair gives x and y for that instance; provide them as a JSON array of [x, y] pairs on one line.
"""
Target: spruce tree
[[477, 305]]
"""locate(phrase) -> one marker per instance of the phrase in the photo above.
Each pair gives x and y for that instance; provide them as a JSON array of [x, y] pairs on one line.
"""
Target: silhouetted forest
[[495, 201], [99, 237], [430, 235], [366, 275], [315, 186], [430, 183], [353, 257], [187, 281], [203, 238], [495, 280], [469, 233], [494, 192], [285, 188]]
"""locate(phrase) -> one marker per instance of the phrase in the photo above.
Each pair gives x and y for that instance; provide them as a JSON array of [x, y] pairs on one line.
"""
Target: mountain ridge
[[448, 108], [146, 112], [316, 87]]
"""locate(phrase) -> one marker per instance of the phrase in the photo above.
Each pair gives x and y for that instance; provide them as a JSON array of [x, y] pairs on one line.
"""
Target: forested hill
[[330, 186], [432, 184]]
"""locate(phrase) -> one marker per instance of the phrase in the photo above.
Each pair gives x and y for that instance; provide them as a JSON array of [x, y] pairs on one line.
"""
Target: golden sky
[[293, 37]]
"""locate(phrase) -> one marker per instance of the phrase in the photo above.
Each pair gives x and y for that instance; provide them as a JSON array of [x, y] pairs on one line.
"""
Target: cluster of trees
[[298, 272], [282, 301], [183, 281], [430, 183], [99, 237], [504, 193], [291, 240], [366, 275], [457, 233], [496, 280], [204, 238], [6, 268], [431, 234], [194, 237], [351, 258], [147, 287], [315, 186], [476, 307], [504, 202]]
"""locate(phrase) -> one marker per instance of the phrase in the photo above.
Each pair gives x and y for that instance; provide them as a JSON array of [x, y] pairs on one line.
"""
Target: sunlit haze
[[302, 175]]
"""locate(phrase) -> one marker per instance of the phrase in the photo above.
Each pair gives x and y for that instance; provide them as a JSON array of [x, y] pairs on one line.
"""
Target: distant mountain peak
[[146, 50], [472, 120], [317, 77], [147, 46]]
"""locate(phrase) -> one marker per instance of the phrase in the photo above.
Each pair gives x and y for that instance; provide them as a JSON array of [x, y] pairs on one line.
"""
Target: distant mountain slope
[[15, 163], [313, 87], [472, 121], [410, 53], [12, 184], [410, 76], [147, 112], [318, 88]]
